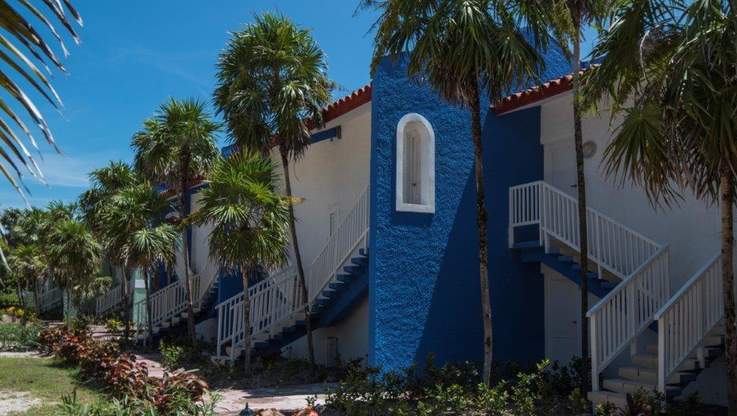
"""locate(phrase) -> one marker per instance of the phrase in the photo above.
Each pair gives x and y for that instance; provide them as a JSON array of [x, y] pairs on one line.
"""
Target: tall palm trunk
[[298, 259], [483, 243], [727, 251], [185, 246], [245, 275], [149, 317], [580, 184], [22, 301], [126, 305], [36, 300]]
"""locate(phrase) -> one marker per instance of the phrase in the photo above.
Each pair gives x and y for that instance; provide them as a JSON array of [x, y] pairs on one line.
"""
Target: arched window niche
[[415, 165]]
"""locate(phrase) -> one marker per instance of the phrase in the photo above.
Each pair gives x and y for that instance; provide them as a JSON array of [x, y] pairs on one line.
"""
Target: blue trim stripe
[[329, 134]]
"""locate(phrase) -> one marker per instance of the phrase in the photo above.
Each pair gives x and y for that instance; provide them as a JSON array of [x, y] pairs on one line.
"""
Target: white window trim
[[428, 169]]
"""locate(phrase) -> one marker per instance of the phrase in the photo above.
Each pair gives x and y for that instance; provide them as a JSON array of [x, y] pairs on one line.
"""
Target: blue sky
[[134, 57]]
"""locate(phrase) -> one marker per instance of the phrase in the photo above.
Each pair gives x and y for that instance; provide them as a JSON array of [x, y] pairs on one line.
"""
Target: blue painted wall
[[513, 155], [423, 273], [423, 284]]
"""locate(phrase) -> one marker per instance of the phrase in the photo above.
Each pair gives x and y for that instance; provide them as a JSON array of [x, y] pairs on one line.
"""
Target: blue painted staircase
[[642, 373], [335, 302]]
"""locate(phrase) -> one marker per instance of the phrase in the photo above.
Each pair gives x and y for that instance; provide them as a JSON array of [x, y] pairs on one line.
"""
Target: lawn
[[45, 380]]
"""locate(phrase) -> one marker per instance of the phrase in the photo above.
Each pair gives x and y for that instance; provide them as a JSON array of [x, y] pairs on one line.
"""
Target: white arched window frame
[[415, 187]]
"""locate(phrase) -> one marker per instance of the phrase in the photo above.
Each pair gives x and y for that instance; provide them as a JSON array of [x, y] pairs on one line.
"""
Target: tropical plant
[[135, 217], [175, 148], [249, 222], [95, 204], [569, 19], [27, 265], [272, 85], [24, 50], [668, 69], [466, 49], [74, 256]]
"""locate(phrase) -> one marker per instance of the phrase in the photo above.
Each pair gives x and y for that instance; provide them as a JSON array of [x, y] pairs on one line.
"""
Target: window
[[415, 165]]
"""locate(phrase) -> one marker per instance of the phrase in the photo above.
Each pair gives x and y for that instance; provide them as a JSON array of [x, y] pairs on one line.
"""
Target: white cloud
[[69, 170]]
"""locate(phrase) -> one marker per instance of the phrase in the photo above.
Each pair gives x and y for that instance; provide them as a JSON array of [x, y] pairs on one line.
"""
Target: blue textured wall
[[513, 155], [423, 284]]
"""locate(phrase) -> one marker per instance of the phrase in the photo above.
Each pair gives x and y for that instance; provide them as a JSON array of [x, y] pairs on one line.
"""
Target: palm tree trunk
[[126, 305], [727, 251], [149, 317], [245, 275], [298, 260], [185, 245], [483, 243], [22, 301], [581, 187], [36, 300]]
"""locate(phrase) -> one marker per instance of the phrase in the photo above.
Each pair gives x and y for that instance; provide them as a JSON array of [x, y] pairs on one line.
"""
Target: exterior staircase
[[335, 280], [110, 301], [630, 274]]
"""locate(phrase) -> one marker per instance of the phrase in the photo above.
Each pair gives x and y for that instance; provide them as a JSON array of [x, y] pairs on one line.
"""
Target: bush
[[9, 299], [114, 325], [126, 406], [17, 337], [127, 377], [172, 355]]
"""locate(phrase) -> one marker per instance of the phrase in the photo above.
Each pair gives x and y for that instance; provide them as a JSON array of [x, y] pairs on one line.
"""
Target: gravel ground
[[16, 402]]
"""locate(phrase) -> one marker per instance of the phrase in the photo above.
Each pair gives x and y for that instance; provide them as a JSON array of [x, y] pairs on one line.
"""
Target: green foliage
[[457, 390], [17, 337], [113, 325], [126, 406], [272, 82], [172, 355], [9, 299]]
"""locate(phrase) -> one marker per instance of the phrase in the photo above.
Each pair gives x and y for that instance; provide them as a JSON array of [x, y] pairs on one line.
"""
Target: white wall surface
[[331, 176], [691, 229], [351, 334]]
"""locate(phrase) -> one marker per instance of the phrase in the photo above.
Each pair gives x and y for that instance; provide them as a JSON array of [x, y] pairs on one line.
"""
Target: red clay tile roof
[[531, 95], [348, 103]]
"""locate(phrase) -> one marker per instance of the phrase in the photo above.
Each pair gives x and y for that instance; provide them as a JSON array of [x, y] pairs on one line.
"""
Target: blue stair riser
[[320, 312]]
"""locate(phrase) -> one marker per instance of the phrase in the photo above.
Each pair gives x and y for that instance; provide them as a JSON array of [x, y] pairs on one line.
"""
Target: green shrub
[[17, 337], [71, 406], [172, 355], [114, 325], [9, 299]]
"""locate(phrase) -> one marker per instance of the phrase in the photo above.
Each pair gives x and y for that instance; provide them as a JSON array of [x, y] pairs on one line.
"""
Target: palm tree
[[271, 89], [74, 255], [175, 148], [668, 69], [250, 221], [24, 50], [465, 49], [27, 266], [95, 204], [136, 218], [569, 18]]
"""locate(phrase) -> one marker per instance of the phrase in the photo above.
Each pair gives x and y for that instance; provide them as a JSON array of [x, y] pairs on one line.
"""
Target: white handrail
[[277, 300], [351, 234], [641, 264], [688, 317], [167, 302], [274, 302], [109, 300]]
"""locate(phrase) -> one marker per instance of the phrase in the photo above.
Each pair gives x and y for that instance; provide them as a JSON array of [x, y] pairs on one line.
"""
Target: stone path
[[288, 399]]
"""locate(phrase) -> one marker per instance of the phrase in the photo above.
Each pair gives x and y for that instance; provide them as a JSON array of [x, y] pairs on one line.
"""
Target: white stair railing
[[274, 303], [690, 314], [641, 264], [50, 299], [167, 303], [109, 300], [351, 235], [277, 300]]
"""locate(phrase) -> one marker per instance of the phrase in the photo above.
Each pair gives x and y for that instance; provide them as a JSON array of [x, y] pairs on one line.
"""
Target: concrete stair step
[[646, 360], [602, 397], [621, 385], [643, 375]]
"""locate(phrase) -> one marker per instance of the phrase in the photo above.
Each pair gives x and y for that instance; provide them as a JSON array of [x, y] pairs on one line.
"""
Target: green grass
[[44, 379]]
